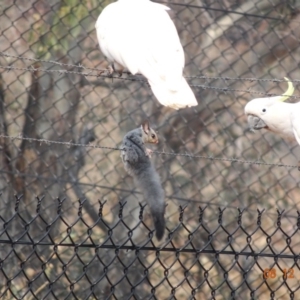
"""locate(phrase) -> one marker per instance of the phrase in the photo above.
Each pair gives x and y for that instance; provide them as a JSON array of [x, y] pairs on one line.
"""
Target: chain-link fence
[[204, 257], [51, 90]]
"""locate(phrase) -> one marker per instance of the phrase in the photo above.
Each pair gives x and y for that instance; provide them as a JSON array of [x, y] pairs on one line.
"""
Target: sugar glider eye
[[264, 110]]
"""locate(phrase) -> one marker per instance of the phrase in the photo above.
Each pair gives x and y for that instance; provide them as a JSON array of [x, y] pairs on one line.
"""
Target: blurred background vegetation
[[224, 38]]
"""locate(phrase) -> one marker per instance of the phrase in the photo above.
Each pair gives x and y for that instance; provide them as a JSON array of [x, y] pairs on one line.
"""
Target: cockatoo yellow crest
[[289, 92], [140, 36]]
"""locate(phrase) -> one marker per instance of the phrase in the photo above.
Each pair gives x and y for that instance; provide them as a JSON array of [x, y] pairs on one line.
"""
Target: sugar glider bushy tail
[[149, 182]]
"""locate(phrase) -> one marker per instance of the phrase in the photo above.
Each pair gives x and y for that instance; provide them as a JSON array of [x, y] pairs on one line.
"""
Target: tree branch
[[87, 136]]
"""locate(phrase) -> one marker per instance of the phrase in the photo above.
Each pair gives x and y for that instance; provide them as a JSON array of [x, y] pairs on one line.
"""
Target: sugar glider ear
[[146, 126]]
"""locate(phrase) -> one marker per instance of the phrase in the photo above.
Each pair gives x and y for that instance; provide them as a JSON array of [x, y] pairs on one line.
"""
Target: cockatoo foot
[[120, 73], [114, 70], [100, 73], [108, 71]]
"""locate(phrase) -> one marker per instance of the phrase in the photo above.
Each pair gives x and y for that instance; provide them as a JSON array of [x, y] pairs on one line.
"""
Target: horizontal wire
[[135, 79], [5, 54], [220, 89], [224, 159], [226, 89], [156, 249], [60, 71], [212, 158], [226, 78], [70, 144], [64, 71], [134, 192], [223, 10]]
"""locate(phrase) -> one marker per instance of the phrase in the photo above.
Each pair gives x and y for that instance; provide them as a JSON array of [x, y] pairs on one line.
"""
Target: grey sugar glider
[[137, 163]]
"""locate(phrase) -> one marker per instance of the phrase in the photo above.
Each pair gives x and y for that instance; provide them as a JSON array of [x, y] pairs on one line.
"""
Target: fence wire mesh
[[203, 257], [50, 89]]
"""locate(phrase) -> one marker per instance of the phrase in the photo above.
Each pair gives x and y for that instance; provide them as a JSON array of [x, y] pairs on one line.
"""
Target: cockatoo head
[[260, 111]]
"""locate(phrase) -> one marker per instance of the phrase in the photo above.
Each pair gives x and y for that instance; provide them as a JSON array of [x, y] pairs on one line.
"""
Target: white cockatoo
[[140, 36], [275, 115]]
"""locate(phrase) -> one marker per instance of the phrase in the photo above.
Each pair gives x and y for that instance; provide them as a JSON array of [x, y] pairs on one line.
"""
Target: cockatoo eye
[[264, 110]]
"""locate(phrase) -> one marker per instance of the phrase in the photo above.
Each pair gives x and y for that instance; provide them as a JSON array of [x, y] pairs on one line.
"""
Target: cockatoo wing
[[112, 28], [141, 36], [296, 122]]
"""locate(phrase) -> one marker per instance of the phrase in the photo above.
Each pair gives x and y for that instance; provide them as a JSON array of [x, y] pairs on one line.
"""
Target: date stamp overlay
[[274, 273]]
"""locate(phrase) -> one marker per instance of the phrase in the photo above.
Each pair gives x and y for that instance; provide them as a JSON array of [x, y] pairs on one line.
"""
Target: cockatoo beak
[[255, 123]]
